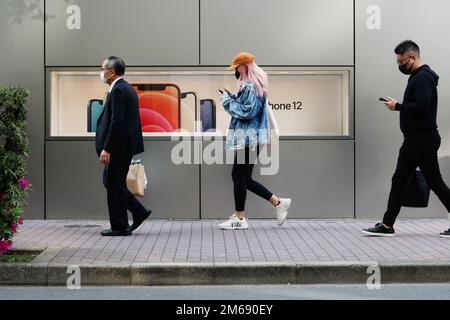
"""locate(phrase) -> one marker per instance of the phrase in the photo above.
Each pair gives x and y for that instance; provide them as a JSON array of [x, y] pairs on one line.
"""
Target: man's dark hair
[[407, 46], [117, 64]]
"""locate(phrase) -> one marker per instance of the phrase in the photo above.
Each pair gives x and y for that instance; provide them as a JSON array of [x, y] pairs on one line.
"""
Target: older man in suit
[[118, 138]]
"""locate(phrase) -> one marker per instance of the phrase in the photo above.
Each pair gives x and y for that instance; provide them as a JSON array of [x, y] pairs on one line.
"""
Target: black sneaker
[[379, 231], [445, 234]]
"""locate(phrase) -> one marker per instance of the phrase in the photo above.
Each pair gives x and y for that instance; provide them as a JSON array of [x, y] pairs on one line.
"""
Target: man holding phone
[[421, 143]]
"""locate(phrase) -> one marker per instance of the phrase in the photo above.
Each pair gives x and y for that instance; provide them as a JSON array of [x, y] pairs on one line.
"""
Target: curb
[[212, 273], [159, 274]]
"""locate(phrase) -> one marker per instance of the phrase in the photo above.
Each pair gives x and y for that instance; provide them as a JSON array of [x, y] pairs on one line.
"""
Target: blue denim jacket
[[248, 125]]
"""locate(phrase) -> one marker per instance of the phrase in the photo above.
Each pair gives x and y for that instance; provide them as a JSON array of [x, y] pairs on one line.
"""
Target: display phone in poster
[[208, 114], [159, 106], [189, 116], [94, 110]]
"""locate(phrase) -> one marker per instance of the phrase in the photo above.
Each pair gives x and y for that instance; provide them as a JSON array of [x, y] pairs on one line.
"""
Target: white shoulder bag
[[274, 131]]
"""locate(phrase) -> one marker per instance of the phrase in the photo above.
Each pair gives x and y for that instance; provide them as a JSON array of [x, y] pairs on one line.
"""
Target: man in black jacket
[[118, 138], [421, 138]]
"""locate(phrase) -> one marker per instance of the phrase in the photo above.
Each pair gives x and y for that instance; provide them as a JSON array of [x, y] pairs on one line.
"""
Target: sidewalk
[[198, 252]]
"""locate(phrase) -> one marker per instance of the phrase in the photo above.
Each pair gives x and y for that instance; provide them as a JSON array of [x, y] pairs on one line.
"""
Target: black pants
[[244, 161], [417, 151], [118, 196]]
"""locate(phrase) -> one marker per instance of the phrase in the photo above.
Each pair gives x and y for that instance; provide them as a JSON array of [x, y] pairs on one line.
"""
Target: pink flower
[[20, 221], [13, 228], [24, 184], [5, 246]]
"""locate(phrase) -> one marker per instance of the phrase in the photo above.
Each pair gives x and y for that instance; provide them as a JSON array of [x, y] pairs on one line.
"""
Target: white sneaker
[[281, 210], [234, 223]]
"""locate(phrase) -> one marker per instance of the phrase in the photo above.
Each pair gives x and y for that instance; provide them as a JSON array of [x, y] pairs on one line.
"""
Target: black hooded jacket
[[419, 108]]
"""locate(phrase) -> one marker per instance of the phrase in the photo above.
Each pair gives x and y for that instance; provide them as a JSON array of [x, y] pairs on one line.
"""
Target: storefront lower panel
[[317, 174], [74, 188]]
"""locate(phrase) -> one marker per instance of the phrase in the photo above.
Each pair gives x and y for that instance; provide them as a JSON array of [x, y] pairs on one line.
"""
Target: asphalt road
[[247, 292]]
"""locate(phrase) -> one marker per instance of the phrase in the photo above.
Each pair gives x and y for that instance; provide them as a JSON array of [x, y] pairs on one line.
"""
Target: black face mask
[[404, 69], [237, 74]]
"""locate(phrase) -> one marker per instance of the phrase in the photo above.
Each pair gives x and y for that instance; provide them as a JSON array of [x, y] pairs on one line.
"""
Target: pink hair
[[254, 74]]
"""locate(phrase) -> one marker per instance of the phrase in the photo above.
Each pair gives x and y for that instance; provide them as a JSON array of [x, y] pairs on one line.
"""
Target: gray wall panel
[[22, 63], [75, 190], [157, 32], [378, 136], [317, 175], [291, 32]]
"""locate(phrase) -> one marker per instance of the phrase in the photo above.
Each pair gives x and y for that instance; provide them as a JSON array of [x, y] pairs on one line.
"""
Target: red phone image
[[159, 106]]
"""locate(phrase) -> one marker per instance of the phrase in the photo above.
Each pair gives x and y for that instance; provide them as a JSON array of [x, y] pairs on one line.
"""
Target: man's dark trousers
[[119, 198], [418, 150]]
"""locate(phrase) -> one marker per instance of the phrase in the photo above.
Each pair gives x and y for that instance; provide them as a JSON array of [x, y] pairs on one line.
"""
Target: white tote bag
[[274, 131]]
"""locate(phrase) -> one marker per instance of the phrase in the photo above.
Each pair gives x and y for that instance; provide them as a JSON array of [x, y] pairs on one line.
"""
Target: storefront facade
[[328, 63]]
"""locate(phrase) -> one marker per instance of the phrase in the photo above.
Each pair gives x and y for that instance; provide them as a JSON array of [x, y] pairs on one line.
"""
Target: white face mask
[[102, 76]]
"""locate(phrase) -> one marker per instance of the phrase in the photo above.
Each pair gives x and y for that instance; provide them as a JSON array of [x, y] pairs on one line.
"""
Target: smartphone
[[189, 110], [382, 100], [208, 114], [159, 106], [94, 110]]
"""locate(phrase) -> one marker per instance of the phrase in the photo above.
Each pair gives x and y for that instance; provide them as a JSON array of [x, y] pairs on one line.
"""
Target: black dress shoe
[[137, 221], [115, 233]]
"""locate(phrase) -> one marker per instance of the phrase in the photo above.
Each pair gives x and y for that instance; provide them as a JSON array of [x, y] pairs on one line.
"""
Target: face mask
[[102, 76], [237, 74], [404, 68]]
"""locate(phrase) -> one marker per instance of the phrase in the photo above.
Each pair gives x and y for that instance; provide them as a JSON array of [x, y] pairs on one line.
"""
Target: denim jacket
[[248, 125]]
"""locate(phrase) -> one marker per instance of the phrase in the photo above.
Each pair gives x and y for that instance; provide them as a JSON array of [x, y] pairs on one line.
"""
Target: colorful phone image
[[208, 114], [189, 101], [94, 110], [159, 106]]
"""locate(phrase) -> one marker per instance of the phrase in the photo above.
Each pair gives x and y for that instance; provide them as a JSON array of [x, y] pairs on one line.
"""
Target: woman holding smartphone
[[248, 132]]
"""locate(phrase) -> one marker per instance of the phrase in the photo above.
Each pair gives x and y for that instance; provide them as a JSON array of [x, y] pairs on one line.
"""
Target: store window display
[[306, 102]]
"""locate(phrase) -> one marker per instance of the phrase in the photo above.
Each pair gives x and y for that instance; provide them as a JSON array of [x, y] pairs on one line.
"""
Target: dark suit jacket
[[119, 126]]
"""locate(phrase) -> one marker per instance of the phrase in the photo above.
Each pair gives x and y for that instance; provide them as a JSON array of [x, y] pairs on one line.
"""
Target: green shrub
[[13, 153]]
